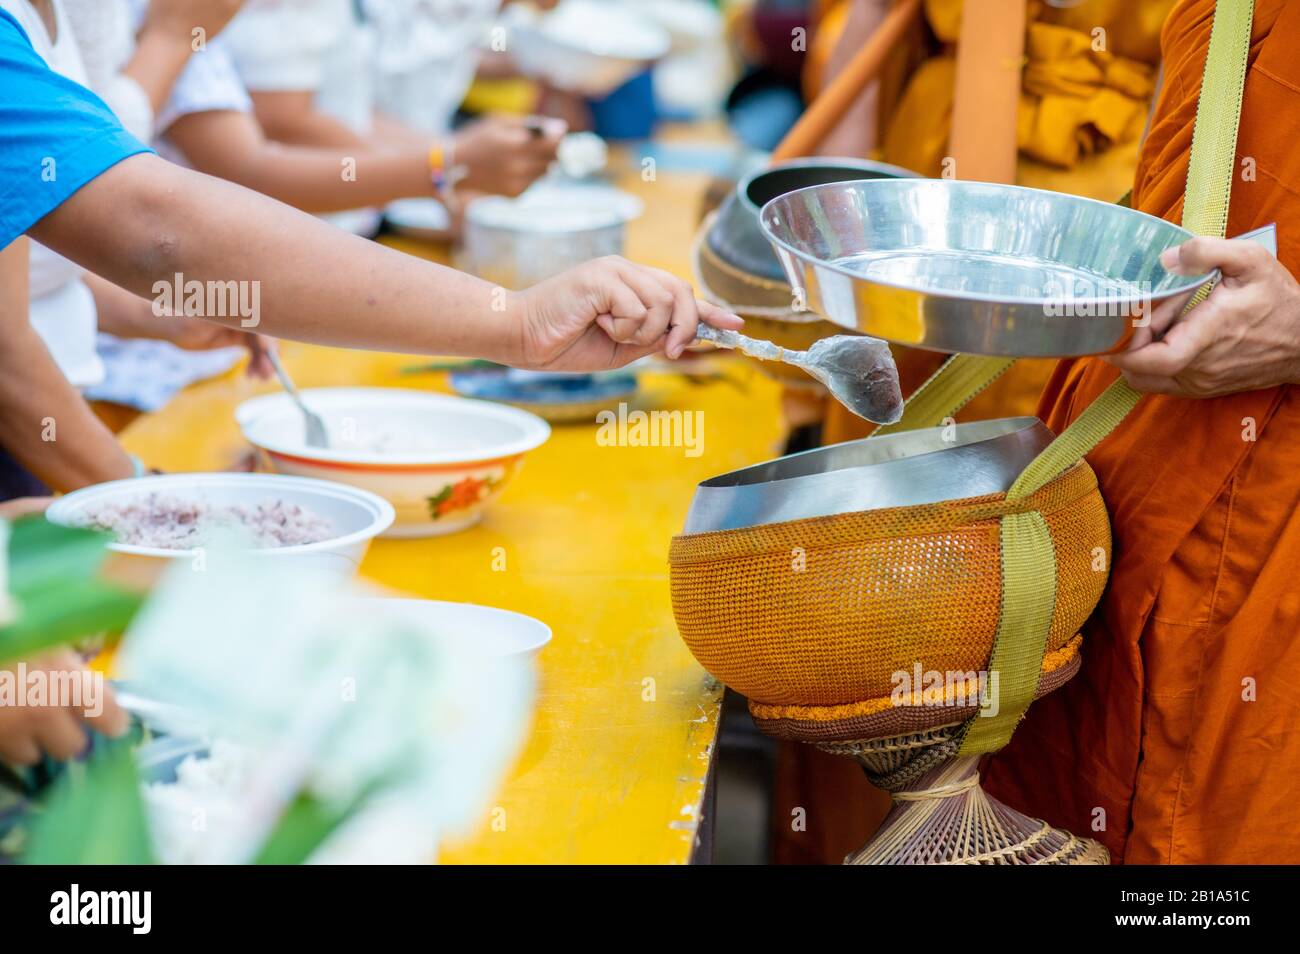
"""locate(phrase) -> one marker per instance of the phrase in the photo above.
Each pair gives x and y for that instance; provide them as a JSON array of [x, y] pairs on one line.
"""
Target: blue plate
[[552, 397]]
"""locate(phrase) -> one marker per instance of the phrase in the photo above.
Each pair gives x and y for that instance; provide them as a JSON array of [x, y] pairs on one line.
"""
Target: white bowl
[[462, 452], [585, 46], [496, 632], [356, 515]]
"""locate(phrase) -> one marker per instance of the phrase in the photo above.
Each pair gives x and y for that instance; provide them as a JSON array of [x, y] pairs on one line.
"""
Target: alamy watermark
[[951, 689], [133, 909], [1079, 298], [637, 428], [65, 688], [209, 299]]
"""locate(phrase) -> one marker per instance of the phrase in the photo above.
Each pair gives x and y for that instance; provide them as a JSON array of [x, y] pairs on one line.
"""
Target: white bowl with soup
[[439, 460]]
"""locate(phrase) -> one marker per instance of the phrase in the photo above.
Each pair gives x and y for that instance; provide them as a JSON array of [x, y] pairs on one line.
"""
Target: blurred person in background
[[311, 68], [306, 132], [771, 38]]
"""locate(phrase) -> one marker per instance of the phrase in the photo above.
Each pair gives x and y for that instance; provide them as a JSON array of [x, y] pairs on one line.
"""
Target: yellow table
[[617, 762]]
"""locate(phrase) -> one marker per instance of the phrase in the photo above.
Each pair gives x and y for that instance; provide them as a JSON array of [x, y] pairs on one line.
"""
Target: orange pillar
[[990, 58]]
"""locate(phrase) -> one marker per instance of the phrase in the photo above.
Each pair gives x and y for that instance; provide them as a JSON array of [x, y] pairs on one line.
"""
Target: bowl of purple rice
[[158, 519]]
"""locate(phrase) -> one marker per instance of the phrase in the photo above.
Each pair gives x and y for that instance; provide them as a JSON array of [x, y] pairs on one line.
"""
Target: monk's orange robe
[[1180, 739]]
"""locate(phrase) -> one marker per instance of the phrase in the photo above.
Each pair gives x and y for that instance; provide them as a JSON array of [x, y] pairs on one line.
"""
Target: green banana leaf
[[94, 814], [55, 591]]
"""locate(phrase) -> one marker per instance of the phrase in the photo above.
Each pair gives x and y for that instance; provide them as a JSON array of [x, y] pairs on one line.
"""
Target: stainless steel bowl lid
[[897, 470], [973, 266], [736, 237]]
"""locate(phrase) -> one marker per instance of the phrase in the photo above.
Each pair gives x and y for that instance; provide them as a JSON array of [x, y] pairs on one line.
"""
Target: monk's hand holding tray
[[1244, 336]]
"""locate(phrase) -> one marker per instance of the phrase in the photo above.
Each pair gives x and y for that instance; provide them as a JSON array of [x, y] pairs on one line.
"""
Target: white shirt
[[208, 82], [316, 45], [426, 55], [106, 37], [62, 309], [311, 45]]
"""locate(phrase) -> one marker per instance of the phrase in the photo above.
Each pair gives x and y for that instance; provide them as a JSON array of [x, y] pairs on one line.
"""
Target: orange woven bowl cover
[[820, 614]]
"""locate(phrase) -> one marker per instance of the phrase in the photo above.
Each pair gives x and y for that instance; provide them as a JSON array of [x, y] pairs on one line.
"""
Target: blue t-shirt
[[55, 135]]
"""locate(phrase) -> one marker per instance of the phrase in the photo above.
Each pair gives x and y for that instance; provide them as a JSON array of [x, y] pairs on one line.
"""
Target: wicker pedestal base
[[941, 816]]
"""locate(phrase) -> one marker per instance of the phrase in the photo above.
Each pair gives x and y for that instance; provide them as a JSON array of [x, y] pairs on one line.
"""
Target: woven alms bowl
[[833, 624]]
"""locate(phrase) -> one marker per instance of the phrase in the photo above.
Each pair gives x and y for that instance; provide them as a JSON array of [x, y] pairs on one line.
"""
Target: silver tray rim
[[1188, 284]]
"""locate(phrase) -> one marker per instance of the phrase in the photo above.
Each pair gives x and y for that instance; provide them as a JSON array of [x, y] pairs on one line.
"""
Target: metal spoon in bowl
[[859, 371], [317, 435]]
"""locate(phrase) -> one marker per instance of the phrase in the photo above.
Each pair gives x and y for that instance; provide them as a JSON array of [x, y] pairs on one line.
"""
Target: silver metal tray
[[974, 267], [897, 470]]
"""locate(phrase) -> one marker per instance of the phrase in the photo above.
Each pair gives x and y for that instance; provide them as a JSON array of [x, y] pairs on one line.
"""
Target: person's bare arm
[[502, 155], [121, 313], [127, 315], [290, 116], [156, 63], [857, 132], [145, 221], [391, 133], [44, 423], [315, 283], [230, 145]]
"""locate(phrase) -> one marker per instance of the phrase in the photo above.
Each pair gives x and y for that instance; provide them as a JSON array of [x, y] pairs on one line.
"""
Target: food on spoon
[[175, 523]]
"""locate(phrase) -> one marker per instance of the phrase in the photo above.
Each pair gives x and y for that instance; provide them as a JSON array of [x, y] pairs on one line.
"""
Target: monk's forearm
[[145, 221]]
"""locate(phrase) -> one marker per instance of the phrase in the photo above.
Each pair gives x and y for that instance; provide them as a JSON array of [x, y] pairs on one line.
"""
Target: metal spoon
[[317, 435], [859, 371]]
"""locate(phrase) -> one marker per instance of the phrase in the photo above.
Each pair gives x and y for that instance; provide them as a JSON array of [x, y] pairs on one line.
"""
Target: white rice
[[203, 803]]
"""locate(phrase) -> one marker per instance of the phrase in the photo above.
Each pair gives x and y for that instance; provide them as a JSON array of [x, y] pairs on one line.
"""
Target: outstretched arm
[[230, 145], [502, 155], [291, 116], [146, 221]]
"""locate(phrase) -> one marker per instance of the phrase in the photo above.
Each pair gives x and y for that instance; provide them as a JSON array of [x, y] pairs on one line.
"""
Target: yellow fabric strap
[[1028, 558], [947, 391], [1028, 601]]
